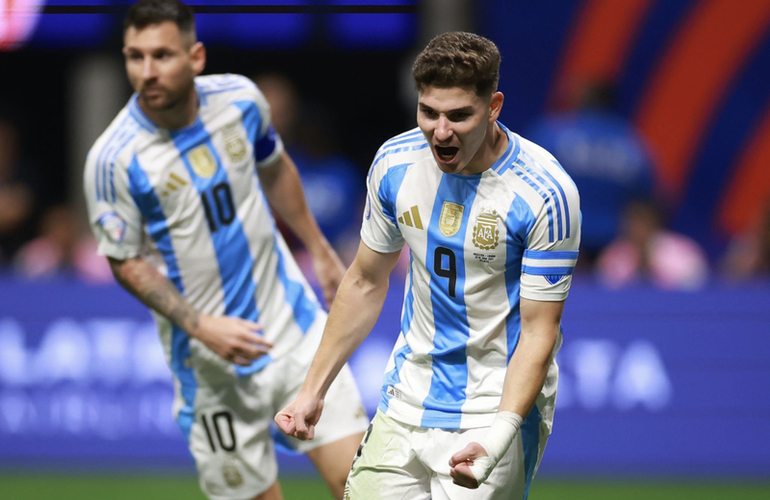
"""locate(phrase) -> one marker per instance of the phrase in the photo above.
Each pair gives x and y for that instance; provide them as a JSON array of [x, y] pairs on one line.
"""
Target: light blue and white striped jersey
[[478, 243], [190, 202]]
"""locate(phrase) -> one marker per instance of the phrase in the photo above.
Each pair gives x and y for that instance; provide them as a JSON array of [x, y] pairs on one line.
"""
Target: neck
[[494, 146], [180, 115]]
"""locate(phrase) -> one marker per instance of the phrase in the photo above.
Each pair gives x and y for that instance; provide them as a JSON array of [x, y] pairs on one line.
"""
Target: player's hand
[[329, 271], [298, 419], [233, 339], [461, 462]]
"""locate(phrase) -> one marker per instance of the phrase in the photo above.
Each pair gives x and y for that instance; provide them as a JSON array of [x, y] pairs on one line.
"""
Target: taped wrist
[[501, 434]]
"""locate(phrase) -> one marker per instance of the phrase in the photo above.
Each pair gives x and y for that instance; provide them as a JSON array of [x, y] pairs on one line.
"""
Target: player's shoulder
[[228, 86], [403, 149], [120, 137], [536, 175]]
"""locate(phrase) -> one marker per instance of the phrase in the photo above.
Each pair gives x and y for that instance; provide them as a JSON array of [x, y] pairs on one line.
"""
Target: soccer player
[[178, 188], [493, 225]]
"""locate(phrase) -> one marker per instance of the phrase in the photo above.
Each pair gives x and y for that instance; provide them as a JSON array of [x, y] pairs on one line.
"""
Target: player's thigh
[[230, 441], [386, 467], [333, 461]]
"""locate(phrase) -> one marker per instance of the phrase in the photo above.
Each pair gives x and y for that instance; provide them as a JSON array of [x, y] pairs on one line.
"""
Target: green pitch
[[127, 487]]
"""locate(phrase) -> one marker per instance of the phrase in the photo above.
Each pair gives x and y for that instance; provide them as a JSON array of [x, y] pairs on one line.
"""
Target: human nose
[[443, 130], [148, 68]]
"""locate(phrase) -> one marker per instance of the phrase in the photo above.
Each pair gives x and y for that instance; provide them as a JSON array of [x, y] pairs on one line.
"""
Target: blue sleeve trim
[[544, 255], [542, 271]]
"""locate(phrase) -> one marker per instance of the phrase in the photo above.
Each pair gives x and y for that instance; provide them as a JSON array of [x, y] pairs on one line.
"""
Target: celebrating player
[[493, 225], [175, 196]]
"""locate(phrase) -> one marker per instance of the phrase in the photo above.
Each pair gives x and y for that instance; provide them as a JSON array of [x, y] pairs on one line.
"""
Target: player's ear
[[495, 106], [198, 57]]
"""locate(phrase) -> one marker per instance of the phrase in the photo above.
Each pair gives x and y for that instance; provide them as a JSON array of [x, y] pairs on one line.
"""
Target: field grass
[[26, 486]]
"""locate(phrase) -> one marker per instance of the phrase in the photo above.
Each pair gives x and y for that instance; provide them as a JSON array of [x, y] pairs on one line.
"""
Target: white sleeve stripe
[[400, 150], [548, 262], [408, 134], [551, 180], [547, 189]]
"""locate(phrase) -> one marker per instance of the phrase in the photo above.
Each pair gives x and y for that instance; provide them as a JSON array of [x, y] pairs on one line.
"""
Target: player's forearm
[[525, 375], [155, 291], [284, 192], [352, 316], [529, 364]]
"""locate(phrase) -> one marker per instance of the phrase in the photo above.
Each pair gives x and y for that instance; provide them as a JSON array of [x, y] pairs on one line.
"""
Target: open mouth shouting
[[446, 154]]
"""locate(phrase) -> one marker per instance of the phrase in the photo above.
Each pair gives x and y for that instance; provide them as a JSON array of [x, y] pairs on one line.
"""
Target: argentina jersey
[[190, 202], [477, 244]]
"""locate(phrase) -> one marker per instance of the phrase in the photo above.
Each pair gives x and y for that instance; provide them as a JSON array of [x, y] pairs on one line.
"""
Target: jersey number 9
[[450, 271]]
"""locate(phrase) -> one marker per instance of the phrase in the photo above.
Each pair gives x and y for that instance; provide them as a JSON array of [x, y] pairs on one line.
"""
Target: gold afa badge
[[486, 235], [235, 145], [202, 161], [451, 218], [231, 474]]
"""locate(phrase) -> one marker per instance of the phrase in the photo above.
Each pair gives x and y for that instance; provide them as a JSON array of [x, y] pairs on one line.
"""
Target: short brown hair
[[459, 59], [148, 12]]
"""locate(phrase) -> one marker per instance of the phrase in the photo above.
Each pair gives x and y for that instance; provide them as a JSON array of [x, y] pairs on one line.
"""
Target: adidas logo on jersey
[[411, 218], [393, 392], [174, 183]]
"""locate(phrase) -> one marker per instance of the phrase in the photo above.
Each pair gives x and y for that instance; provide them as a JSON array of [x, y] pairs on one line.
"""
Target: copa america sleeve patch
[[113, 226]]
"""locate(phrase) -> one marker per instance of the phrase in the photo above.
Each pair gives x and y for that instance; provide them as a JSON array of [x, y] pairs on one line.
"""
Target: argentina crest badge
[[230, 473], [486, 235], [234, 145], [451, 218]]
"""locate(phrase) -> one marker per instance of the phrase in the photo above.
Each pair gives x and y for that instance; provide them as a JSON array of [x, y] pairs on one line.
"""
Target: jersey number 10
[[218, 205]]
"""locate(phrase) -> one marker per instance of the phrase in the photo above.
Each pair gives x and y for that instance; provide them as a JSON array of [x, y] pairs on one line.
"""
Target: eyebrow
[[465, 109]]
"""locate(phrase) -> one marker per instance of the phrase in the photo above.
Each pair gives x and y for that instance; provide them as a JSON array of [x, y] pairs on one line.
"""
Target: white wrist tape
[[501, 434]]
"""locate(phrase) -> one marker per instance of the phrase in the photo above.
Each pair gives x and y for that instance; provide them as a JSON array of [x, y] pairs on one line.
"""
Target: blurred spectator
[[62, 249], [282, 95], [646, 252], [334, 185], [606, 158], [17, 194], [748, 255]]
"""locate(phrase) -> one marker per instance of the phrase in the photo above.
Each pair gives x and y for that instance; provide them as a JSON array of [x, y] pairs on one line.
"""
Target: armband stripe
[[543, 271]]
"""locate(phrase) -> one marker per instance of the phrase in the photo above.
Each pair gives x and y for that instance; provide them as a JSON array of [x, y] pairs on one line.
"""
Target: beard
[[159, 98]]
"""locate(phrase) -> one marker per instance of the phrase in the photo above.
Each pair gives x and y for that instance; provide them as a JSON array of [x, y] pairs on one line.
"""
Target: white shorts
[[231, 440], [398, 461]]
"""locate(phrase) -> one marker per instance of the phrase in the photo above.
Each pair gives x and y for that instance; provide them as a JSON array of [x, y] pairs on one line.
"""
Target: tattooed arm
[[233, 339]]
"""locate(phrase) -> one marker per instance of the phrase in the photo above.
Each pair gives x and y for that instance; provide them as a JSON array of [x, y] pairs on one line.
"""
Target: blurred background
[[659, 109]]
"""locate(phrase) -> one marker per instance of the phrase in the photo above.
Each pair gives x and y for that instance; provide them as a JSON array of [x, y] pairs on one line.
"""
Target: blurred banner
[[242, 24], [651, 382]]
